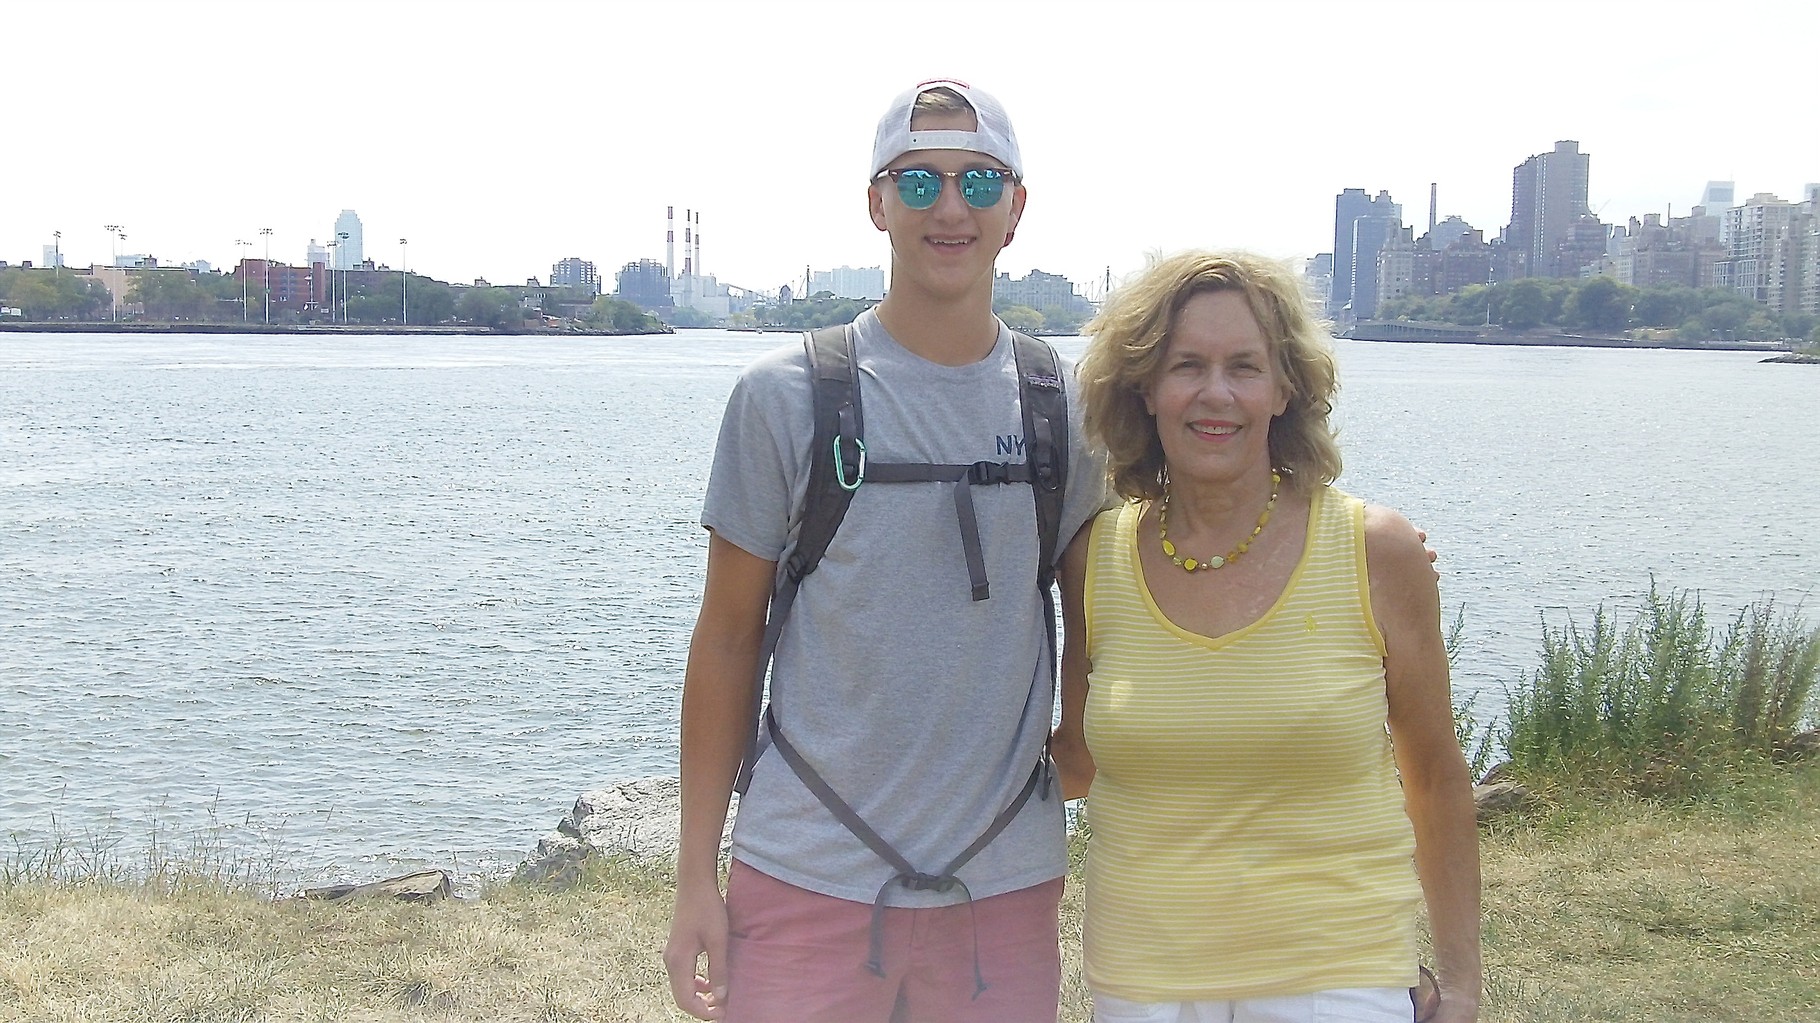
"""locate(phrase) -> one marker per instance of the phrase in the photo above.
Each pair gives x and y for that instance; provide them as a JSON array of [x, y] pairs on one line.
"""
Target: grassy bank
[[1598, 906], [1668, 873]]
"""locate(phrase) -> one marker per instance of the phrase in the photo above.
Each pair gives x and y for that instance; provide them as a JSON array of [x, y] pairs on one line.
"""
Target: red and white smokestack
[[670, 241], [688, 244]]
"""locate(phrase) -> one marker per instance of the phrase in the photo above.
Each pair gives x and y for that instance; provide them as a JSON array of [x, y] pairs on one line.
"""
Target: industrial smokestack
[[670, 241], [688, 244], [698, 241], [1433, 187]]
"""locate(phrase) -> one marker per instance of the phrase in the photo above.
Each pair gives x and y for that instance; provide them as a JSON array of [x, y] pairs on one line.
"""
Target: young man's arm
[[716, 726]]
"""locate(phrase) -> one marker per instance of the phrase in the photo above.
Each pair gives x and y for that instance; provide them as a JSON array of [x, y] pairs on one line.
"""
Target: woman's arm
[[1069, 743], [1437, 790]]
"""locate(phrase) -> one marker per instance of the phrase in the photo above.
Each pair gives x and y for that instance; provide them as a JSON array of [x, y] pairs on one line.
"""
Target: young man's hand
[[698, 927]]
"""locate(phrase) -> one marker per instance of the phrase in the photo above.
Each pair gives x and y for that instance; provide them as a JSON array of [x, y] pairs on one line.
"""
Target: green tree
[[1598, 304], [489, 307], [1664, 307], [1022, 317], [684, 316], [170, 295], [1062, 319], [1524, 305], [609, 313], [51, 294]]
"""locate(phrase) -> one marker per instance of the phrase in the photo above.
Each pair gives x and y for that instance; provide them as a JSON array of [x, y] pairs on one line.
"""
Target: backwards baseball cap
[[993, 137]]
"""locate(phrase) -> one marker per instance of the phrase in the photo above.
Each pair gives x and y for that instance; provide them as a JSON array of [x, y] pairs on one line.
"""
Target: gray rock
[[640, 819], [1500, 798], [422, 886]]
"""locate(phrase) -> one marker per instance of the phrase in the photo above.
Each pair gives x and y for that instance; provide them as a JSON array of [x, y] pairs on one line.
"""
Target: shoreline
[[318, 329], [1412, 332]]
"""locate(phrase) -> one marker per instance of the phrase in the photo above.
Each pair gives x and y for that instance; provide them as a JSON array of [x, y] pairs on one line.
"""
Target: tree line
[[1602, 305], [176, 295]]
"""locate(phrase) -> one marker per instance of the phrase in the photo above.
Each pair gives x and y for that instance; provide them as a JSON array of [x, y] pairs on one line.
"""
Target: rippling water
[[369, 604]]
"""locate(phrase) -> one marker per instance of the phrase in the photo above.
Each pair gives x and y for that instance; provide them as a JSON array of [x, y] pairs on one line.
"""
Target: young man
[[918, 700]]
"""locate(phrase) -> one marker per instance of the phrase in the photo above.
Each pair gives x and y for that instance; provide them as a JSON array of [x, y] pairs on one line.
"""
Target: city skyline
[[1129, 124]]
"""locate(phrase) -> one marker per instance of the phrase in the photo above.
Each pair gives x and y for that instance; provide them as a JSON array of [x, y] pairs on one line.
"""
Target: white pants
[[1347, 1005]]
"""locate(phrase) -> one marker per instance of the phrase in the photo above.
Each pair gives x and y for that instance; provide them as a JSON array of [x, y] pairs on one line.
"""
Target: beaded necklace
[[1192, 564]]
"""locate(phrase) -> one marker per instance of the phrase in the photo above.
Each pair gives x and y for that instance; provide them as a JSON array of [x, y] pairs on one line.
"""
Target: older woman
[[1261, 704]]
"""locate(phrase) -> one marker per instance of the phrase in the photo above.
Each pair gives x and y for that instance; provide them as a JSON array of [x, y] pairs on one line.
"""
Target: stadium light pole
[[404, 277], [333, 246], [266, 273]]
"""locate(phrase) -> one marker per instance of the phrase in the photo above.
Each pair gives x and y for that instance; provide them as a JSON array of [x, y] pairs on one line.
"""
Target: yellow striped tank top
[[1248, 831]]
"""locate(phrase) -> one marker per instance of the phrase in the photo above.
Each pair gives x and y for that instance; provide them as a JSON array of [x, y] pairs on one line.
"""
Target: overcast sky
[[501, 136]]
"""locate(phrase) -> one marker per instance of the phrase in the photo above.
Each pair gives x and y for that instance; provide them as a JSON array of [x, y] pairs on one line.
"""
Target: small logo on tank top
[[1010, 444]]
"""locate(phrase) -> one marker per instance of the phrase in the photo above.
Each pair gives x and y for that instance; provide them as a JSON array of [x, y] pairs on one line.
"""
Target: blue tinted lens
[[982, 188], [918, 188]]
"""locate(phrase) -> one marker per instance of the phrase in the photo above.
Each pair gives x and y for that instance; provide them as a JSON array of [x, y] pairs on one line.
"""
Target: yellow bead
[[1190, 564], [1169, 548], [1263, 518]]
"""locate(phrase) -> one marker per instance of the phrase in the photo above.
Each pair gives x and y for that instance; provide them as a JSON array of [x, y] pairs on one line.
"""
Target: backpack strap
[[834, 378], [1045, 410]]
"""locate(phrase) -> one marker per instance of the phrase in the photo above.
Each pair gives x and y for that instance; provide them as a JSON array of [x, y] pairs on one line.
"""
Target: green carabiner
[[840, 466]]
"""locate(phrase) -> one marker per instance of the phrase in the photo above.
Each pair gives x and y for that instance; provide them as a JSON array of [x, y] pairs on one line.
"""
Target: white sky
[[502, 135]]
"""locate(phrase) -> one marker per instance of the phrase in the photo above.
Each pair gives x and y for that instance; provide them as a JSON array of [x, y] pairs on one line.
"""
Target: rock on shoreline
[[638, 818]]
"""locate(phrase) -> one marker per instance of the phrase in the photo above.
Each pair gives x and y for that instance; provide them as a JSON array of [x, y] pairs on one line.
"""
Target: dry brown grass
[[1596, 908]]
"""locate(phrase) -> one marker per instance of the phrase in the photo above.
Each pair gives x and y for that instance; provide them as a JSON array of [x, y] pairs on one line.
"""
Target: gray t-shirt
[[924, 709]]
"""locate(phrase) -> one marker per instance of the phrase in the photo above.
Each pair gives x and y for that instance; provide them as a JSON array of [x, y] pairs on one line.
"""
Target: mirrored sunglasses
[[920, 187]]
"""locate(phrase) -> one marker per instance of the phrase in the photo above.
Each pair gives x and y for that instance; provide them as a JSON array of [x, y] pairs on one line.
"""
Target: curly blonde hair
[[1130, 336]]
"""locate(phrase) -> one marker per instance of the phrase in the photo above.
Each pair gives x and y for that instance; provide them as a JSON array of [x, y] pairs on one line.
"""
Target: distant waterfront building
[[352, 249], [1396, 268], [1680, 253], [1038, 290], [1464, 262], [293, 288], [53, 257], [314, 253], [1317, 277], [1547, 199], [1350, 205], [646, 284], [1768, 252], [575, 272], [850, 282], [1369, 236]]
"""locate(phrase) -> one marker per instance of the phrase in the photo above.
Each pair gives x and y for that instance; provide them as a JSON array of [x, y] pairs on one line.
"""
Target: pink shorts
[[796, 956]]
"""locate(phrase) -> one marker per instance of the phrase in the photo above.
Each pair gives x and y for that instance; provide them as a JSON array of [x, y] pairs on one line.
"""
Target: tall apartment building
[[1369, 236], [575, 272], [350, 251], [1765, 239], [1396, 268], [850, 282], [645, 283], [1348, 207], [1681, 253], [1547, 198]]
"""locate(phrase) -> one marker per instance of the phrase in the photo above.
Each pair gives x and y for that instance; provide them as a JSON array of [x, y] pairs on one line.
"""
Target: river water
[[352, 606]]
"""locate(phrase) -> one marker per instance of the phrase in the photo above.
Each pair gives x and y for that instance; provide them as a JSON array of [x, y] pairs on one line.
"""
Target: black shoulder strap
[[837, 466], [1045, 408], [837, 454]]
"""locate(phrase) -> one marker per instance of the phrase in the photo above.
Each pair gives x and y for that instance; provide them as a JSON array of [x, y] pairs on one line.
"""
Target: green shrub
[[1665, 703]]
